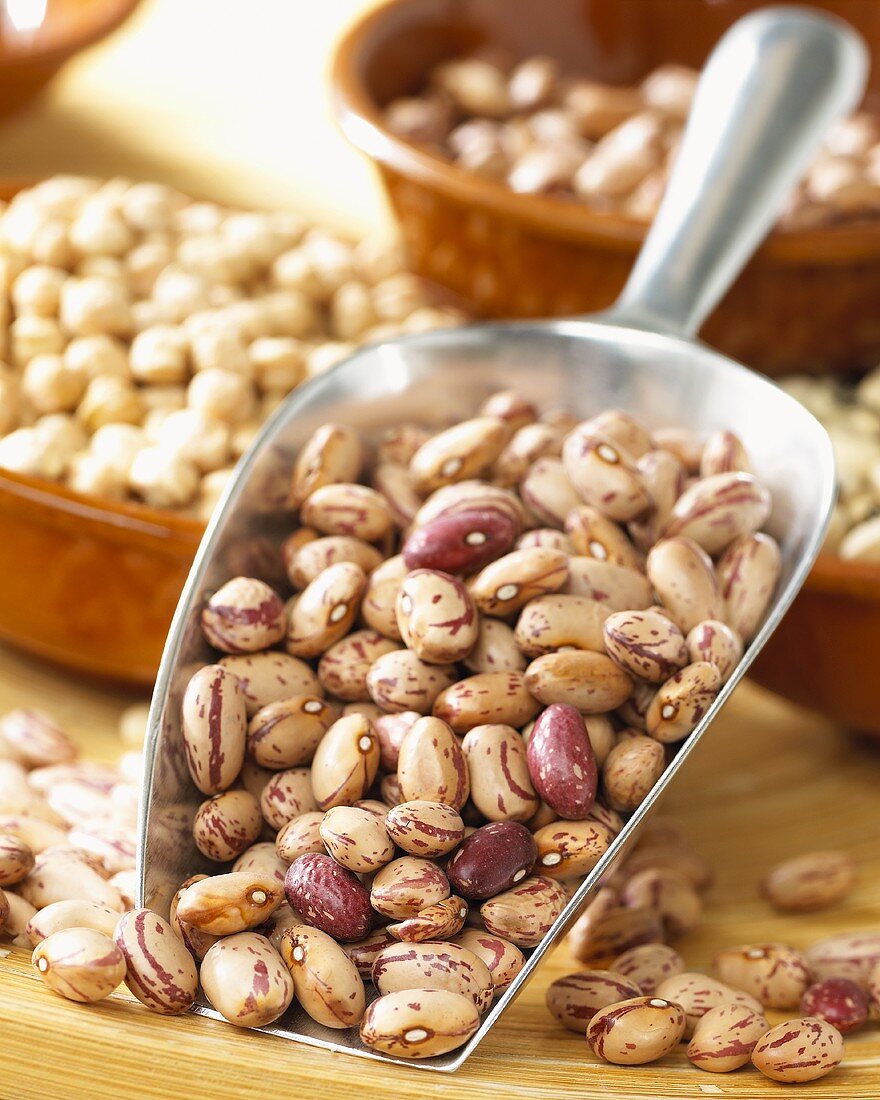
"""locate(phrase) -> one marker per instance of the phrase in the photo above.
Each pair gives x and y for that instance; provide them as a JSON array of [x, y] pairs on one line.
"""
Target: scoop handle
[[772, 88]]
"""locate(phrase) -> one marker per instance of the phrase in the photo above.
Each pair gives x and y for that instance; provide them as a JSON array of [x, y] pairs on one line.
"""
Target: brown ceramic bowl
[[808, 300], [30, 57]]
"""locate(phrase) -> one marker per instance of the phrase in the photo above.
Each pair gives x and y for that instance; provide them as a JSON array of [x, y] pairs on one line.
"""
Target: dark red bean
[[562, 763], [491, 860], [461, 542], [329, 897], [837, 1001]]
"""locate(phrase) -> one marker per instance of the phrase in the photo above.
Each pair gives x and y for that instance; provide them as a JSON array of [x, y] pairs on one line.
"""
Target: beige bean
[[440, 921], [379, 606], [853, 955], [685, 583], [63, 876], [593, 535], [304, 561], [503, 958], [393, 481], [79, 963], [527, 445], [16, 859], [286, 733], [489, 697], [648, 964], [194, 939], [507, 584], [283, 918], [286, 795], [345, 763], [548, 492], [400, 443], [799, 1050], [698, 994], [550, 623], [436, 616], [500, 784], [35, 739], [348, 509], [546, 537], [356, 839], [464, 451], [512, 408], [604, 474], [682, 702], [243, 616], [590, 682], [159, 970], [807, 883], [226, 824], [326, 981], [723, 451], [525, 913], [646, 644], [262, 859], [439, 965], [669, 894], [213, 723], [402, 888], [300, 835], [716, 510], [229, 903], [246, 980], [725, 1037], [18, 913], [71, 914], [576, 998], [718, 644], [686, 445], [618, 586], [774, 974], [636, 1031], [748, 572], [363, 953], [400, 682], [267, 677], [496, 649], [419, 1023], [325, 611], [665, 479], [332, 454], [631, 769], [570, 848], [424, 828]]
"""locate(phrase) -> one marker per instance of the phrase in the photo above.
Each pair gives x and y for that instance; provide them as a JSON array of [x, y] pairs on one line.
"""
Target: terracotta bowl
[[807, 301], [31, 55]]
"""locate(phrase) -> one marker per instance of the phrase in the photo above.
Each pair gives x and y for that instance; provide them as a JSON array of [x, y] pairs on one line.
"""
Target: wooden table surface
[[769, 782], [224, 98]]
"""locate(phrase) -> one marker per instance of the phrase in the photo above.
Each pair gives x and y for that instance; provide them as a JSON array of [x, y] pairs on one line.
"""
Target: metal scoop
[[769, 93]]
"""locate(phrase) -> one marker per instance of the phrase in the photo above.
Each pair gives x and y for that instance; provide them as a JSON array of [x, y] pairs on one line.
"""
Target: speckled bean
[[464, 451], [500, 784], [363, 952], [404, 887], [567, 849], [492, 859], [301, 835], [325, 611], [267, 677], [16, 859], [246, 981], [682, 702], [79, 963], [525, 913], [561, 761], [560, 621], [618, 586], [636, 1031], [63, 876], [670, 895], [287, 795], [461, 542], [347, 508], [648, 964], [431, 765], [439, 965], [356, 839], [419, 1023], [576, 998], [725, 1037], [496, 649], [723, 451], [604, 474], [594, 535], [646, 644], [548, 493], [506, 585], [287, 732], [326, 981], [400, 682], [799, 1050], [504, 959], [226, 824], [714, 641], [213, 723], [718, 509], [630, 771], [440, 921], [436, 616], [159, 970], [809, 882], [698, 994], [665, 478], [748, 572], [234, 902], [194, 939], [837, 1001], [243, 616], [343, 667], [774, 974], [332, 454], [263, 859], [590, 682], [852, 955], [424, 828], [487, 698], [605, 930], [345, 762], [684, 580], [71, 914], [526, 446], [379, 604]]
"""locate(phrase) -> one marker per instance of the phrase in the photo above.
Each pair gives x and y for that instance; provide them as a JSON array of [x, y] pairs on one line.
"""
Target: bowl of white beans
[[525, 147], [144, 338]]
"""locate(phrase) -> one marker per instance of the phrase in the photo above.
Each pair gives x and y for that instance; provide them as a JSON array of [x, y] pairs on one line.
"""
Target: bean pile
[[495, 641], [638, 1001], [610, 146], [850, 411], [144, 337]]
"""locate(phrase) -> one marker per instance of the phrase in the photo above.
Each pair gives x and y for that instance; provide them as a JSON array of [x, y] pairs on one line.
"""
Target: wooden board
[[769, 782]]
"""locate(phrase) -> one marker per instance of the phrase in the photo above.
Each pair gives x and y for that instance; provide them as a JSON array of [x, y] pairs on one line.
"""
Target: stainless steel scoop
[[771, 90]]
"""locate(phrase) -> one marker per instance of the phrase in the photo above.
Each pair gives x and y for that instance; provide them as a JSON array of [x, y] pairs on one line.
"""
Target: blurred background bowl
[[37, 37], [807, 301]]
